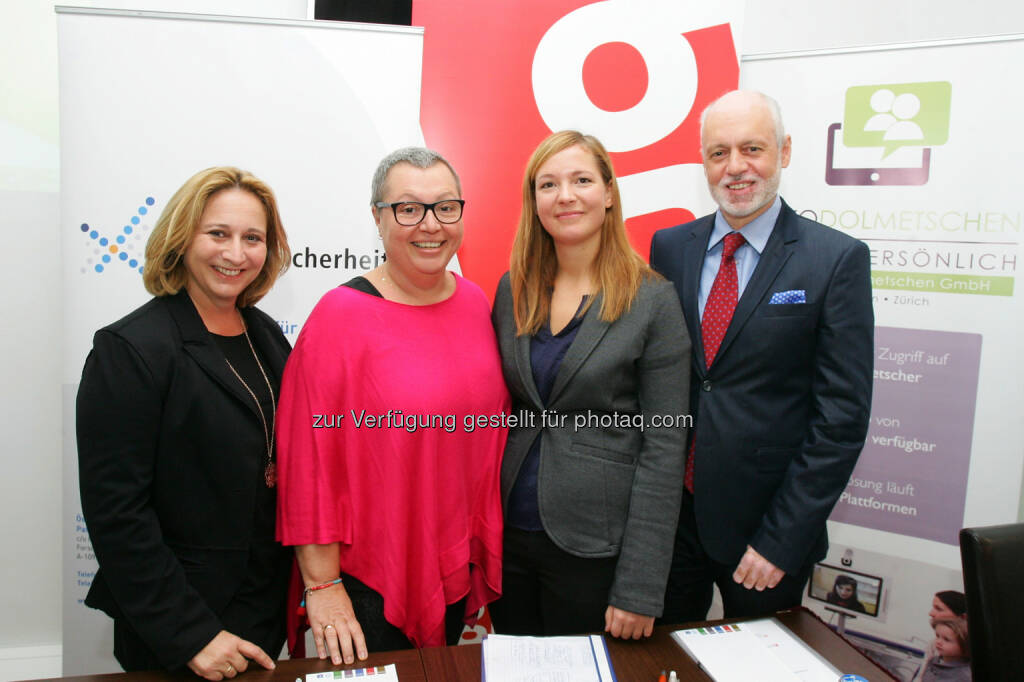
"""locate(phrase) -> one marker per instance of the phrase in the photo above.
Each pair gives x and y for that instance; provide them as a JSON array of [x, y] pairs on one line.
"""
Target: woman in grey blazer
[[596, 356]]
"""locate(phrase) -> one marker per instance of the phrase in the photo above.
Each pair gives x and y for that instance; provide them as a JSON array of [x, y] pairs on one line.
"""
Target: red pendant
[[270, 474]]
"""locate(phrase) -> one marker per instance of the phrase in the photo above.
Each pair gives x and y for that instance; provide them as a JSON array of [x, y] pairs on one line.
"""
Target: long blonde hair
[[164, 273], [618, 269]]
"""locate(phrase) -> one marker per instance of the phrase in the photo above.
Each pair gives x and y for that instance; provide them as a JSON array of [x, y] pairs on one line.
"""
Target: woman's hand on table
[[335, 628], [626, 624], [226, 656]]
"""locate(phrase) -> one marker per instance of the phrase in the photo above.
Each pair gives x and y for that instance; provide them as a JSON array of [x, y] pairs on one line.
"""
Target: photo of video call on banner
[[846, 591]]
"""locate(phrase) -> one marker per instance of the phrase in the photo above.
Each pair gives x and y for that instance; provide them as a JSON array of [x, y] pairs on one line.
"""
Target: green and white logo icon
[[897, 115]]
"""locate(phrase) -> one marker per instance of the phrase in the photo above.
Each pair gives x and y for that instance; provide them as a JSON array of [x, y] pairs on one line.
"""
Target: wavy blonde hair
[[618, 269], [958, 626], [164, 272]]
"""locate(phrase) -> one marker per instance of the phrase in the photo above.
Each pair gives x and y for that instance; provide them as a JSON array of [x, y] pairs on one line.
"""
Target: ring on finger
[[230, 669], [329, 625]]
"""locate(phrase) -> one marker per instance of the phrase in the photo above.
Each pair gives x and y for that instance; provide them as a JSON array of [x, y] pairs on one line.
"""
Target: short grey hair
[[420, 157], [773, 108]]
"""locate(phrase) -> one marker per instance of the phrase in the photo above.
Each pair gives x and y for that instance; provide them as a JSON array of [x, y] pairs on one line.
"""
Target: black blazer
[[607, 490], [781, 416], [167, 472]]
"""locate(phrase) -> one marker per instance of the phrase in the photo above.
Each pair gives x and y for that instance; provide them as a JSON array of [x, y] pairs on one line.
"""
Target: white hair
[[773, 109]]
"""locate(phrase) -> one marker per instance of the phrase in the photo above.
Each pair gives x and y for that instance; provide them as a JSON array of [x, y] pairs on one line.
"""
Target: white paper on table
[[508, 658], [761, 649], [380, 673]]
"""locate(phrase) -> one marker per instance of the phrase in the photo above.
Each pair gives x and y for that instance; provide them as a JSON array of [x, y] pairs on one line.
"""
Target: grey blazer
[[611, 475]]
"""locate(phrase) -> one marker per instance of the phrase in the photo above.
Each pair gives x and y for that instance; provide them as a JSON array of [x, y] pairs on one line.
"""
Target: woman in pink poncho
[[388, 483]]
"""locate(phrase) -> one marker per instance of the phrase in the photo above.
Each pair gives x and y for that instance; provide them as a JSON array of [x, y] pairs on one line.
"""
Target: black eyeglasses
[[409, 213]]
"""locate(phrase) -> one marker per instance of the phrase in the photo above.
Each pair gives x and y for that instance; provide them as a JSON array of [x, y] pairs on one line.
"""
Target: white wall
[[30, 580], [794, 25], [30, 505]]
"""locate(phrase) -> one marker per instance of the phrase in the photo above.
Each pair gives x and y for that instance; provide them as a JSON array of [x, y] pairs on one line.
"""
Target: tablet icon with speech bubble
[[887, 134]]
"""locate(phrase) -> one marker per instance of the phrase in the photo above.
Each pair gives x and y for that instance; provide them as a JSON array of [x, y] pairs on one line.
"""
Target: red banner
[[498, 77]]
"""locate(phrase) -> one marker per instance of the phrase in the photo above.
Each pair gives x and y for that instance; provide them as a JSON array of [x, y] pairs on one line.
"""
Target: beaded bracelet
[[306, 592]]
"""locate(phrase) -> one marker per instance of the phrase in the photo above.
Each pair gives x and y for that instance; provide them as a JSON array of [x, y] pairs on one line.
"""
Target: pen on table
[[661, 677]]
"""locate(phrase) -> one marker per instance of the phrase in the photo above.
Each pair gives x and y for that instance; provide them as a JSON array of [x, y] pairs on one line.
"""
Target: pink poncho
[[374, 451]]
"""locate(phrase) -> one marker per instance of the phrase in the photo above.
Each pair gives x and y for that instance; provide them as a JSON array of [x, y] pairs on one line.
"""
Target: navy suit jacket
[[781, 415]]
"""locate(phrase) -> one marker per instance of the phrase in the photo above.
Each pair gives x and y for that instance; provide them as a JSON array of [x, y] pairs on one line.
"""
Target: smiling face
[[426, 248], [572, 197], [742, 157], [228, 250], [946, 643]]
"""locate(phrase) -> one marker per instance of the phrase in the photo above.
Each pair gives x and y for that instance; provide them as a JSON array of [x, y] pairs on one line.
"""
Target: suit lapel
[[201, 348], [694, 250], [592, 329], [521, 346], [776, 252]]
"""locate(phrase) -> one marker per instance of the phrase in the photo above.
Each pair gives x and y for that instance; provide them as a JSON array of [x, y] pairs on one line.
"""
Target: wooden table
[[643, 660], [407, 663], [634, 661]]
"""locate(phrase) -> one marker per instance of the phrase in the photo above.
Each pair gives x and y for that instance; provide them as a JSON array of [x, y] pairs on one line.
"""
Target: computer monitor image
[[846, 591]]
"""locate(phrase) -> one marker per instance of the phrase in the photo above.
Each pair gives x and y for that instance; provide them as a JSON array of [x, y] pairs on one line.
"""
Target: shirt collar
[[756, 232]]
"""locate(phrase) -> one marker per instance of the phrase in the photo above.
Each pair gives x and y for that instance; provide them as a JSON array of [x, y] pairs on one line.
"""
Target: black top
[[238, 354], [546, 353], [360, 283]]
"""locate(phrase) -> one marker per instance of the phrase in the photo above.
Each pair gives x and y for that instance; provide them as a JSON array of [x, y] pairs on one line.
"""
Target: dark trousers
[[693, 574], [381, 635], [547, 591]]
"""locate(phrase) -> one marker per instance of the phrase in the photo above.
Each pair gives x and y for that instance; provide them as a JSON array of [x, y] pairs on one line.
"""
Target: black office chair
[[993, 562]]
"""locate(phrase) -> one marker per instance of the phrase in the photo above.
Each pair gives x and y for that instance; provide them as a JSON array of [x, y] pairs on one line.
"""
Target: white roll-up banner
[[889, 145], [146, 100]]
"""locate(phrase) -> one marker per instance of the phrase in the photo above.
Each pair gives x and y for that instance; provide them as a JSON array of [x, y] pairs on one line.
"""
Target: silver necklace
[[270, 471]]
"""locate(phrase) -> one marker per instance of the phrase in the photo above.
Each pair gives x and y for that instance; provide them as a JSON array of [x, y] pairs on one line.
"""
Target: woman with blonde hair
[[175, 419], [596, 355]]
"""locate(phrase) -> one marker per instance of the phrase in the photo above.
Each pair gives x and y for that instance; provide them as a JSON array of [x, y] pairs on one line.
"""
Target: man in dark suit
[[779, 311]]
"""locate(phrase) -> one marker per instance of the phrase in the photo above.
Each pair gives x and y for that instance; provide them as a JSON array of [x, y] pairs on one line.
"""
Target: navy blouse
[[546, 353]]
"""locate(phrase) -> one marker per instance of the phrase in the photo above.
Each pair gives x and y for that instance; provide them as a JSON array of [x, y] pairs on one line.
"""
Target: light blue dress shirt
[[756, 232]]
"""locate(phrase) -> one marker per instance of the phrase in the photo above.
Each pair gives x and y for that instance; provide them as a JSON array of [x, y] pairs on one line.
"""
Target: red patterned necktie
[[718, 310]]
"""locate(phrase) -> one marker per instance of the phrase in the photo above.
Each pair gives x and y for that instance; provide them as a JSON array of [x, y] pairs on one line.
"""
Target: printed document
[[508, 658], [756, 650]]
